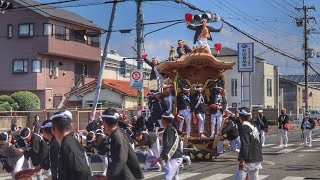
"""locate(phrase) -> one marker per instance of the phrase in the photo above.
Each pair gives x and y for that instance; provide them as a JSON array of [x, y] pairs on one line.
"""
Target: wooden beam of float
[[197, 66]]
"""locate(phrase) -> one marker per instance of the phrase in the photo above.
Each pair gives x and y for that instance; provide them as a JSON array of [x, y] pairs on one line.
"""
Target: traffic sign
[[136, 79], [305, 98]]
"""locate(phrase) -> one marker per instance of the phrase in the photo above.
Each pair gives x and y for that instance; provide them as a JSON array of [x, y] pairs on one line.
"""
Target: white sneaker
[[203, 136], [285, 145], [281, 145], [310, 145], [159, 167], [262, 145], [187, 158], [181, 166]]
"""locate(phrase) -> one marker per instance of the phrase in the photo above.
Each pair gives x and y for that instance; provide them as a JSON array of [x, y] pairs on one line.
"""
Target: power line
[[284, 7], [279, 9], [263, 29], [66, 6], [275, 49], [247, 15]]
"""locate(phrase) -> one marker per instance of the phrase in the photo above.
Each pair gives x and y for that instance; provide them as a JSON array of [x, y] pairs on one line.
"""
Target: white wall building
[[264, 84]]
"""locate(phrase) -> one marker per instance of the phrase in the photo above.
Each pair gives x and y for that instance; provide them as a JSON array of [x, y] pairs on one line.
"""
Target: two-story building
[[112, 69], [264, 81], [46, 50]]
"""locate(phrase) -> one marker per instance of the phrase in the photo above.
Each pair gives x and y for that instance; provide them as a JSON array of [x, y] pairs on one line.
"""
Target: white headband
[[92, 137], [27, 135], [7, 135], [180, 116], [169, 116], [115, 116], [64, 114], [48, 124], [198, 88], [243, 112], [187, 89]]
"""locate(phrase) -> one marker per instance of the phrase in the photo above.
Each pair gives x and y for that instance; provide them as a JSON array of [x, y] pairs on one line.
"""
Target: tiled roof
[[314, 78], [123, 86], [49, 11]]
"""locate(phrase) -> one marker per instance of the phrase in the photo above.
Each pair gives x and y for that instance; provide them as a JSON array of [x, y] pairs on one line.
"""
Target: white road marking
[[268, 145], [293, 178], [287, 150], [260, 177], [218, 177], [187, 175], [152, 174]]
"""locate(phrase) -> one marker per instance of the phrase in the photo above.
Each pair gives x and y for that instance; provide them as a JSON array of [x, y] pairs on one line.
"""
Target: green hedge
[[7, 103], [26, 100]]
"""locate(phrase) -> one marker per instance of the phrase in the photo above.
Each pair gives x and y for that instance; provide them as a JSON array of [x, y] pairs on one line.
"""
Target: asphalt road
[[293, 163]]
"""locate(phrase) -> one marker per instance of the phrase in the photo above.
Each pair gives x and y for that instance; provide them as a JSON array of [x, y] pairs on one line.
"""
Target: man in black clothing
[[72, 163], [123, 162], [36, 148], [36, 125], [184, 109], [11, 158], [52, 159], [232, 134], [152, 143], [262, 125], [198, 109], [97, 144], [155, 74], [182, 48], [250, 155], [283, 122], [171, 151], [93, 125], [140, 124], [157, 109], [217, 106], [306, 126]]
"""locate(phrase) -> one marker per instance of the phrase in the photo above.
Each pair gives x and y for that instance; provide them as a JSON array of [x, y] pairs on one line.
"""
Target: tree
[[7, 103], [26, 100]]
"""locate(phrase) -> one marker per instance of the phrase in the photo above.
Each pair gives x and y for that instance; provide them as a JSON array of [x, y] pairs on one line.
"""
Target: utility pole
[[139, 27], [306, 54], [103, 62]]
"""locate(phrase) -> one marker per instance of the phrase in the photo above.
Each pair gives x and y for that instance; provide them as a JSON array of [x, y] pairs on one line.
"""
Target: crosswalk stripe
[[260, 177], [268, 145], [218, 177], [287, 150], [6, 178], [4, 174], [153, 174], [293, 178], [187, 175]]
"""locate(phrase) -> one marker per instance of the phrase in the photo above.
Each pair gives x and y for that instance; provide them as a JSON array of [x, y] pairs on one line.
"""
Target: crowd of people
[[53, 149]]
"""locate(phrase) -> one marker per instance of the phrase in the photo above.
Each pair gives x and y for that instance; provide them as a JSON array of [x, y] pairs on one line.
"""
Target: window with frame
[[269, 87], [60, 32], [51, 67], [95, 41], [234, 87], [10, 31], [36, 66], [25, 30], [47, 29], [19, 66]]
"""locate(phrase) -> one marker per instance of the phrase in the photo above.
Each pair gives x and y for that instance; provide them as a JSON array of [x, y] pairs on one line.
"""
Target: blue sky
[[269, 20]]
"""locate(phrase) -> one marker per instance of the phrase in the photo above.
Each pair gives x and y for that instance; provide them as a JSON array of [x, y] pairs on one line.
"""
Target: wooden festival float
[[198, 68]]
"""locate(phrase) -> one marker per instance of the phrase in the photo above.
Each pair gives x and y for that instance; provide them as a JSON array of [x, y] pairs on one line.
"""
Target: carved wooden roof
[[197, 67]]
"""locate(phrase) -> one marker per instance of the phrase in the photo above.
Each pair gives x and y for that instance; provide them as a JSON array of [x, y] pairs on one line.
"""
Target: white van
[[315, 114]]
